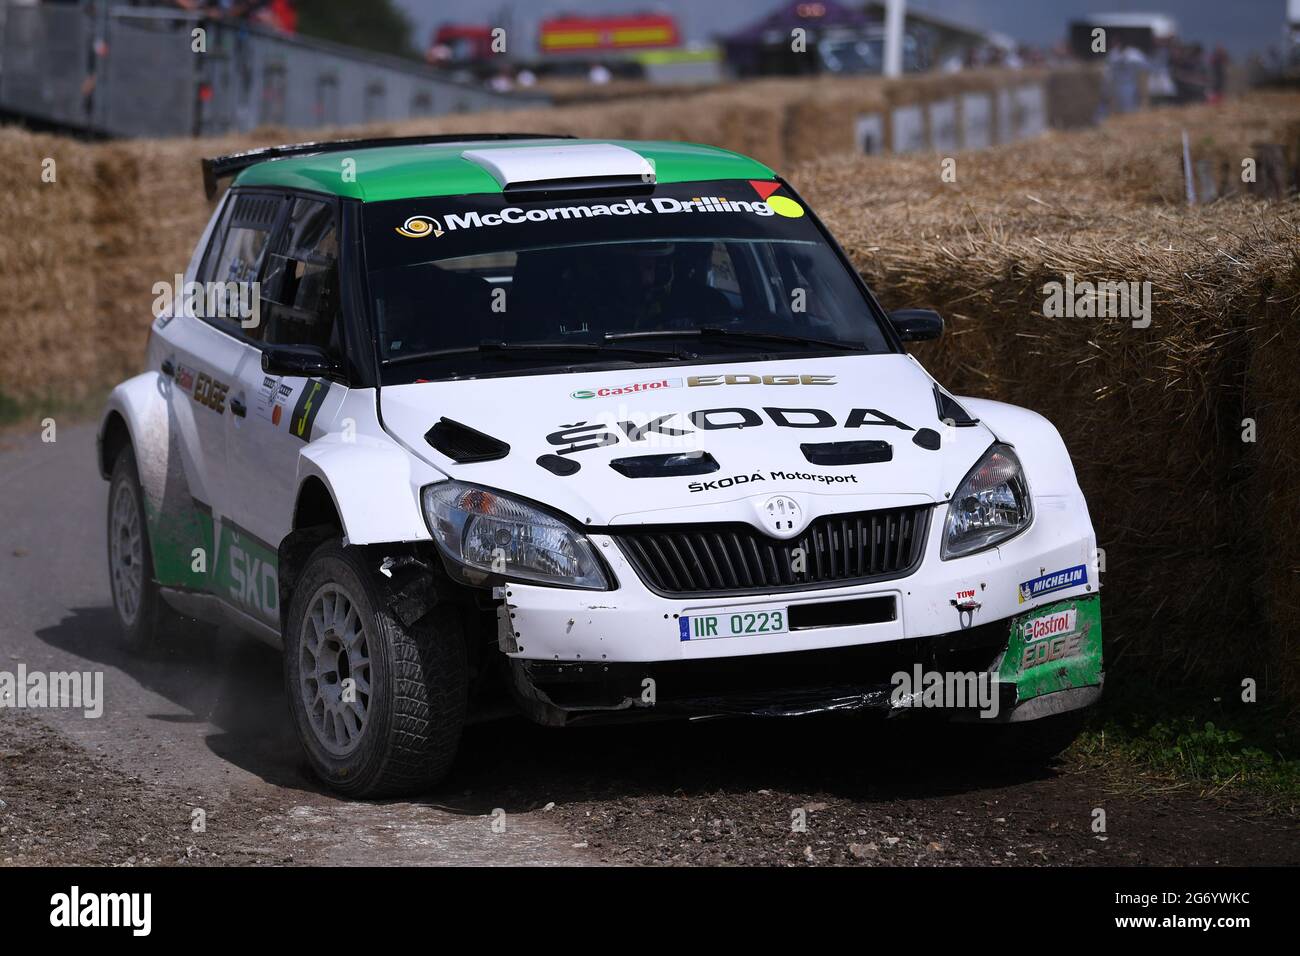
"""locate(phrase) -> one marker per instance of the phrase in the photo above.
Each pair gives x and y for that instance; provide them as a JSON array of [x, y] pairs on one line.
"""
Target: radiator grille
[[737, 558]]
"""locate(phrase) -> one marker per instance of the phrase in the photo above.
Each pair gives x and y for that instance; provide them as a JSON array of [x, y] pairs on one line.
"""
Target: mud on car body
[[590, 430]]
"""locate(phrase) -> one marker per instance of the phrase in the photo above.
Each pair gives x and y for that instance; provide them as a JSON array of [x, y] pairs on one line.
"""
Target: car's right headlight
[[991, 505], [497, 534]]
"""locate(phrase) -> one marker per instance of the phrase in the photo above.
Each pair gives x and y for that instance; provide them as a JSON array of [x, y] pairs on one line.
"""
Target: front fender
[[375, 485], [1037, 442], [141, 404]]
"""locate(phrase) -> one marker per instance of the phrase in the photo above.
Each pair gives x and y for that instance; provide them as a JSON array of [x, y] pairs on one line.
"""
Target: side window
[[235, 259], [300, 292]]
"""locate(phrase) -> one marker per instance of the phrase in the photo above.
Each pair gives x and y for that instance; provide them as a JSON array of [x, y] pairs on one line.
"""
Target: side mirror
[[304, 360], [916, 325]]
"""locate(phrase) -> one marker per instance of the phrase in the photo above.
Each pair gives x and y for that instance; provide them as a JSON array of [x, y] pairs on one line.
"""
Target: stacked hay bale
[[48, 233], [748, 118], [1073, 97], [822, 121], [81, 255], [1152, 416], [1271, 493], [124, 252]]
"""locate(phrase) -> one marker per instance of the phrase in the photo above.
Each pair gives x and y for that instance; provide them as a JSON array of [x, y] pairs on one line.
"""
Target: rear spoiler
[[218, 168]]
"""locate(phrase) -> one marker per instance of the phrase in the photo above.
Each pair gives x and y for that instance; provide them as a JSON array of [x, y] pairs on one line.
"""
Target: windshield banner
[[408, 231]]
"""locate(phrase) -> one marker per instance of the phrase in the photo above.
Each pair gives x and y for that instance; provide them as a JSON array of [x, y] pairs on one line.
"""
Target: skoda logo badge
[[782, 516]]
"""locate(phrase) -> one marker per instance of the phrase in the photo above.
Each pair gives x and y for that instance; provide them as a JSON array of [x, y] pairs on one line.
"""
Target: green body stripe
[[243, 570], [174, 534]]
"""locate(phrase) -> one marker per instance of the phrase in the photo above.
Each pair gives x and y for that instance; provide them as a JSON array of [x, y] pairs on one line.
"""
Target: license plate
[[747, 623]]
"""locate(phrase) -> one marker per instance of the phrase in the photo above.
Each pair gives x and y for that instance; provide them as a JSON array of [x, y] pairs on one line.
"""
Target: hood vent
[[848, 452], [464, 445], [927, 438], [666, 466], [559, 466]]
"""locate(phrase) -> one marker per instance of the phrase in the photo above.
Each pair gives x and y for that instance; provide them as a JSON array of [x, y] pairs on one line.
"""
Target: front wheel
[[378, 706]]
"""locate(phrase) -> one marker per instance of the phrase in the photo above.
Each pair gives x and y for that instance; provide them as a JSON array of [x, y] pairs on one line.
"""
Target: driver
[[641, 281]]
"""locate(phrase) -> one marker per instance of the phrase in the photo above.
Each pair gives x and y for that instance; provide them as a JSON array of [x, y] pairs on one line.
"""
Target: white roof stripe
[[528, 164]]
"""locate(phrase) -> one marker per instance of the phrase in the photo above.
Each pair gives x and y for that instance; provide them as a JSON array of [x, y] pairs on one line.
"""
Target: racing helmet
[[642, 272]]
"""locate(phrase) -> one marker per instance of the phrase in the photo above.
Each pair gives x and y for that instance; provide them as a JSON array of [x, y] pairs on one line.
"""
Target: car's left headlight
[[991, 505], [497, 534]]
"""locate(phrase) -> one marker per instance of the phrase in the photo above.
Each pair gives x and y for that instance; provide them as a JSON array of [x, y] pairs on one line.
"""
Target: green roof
[[408, 172]]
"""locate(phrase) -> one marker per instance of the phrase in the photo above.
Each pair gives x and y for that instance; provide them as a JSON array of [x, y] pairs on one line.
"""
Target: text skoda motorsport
[[587, 430]]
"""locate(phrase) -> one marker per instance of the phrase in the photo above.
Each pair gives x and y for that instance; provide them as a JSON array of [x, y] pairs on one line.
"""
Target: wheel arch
[[316, 520], [138, 415], [114, 435], [134, 410], [315, 505], [364, 492], [374, 485]]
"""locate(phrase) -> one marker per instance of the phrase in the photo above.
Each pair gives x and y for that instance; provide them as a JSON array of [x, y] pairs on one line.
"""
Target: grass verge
[[1206, 740], [16, 413]]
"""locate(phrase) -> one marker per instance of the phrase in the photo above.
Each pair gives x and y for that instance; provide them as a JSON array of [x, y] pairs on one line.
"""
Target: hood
[[695, 443]]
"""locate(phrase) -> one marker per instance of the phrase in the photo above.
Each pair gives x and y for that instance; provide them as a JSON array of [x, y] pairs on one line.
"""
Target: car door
[[202, 352], [276, 415]]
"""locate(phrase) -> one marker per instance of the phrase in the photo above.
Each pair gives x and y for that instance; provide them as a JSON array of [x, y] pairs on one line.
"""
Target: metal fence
[[135, 71]]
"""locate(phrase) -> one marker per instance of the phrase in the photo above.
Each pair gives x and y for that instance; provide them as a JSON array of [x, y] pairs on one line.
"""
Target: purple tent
[[765, 45]]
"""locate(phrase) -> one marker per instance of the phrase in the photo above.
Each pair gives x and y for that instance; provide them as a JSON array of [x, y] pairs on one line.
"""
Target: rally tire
[[400, 733], [143, 617]]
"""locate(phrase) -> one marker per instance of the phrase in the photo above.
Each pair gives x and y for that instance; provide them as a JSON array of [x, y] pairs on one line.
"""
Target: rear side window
[[300, 292], [235, 259]]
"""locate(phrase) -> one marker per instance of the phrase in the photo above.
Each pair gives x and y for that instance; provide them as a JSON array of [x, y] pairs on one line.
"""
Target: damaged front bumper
[[1026, 614], [1029, 672]]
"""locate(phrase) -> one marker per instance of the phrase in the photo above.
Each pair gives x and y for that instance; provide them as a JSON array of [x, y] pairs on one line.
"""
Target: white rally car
[[585, 429]]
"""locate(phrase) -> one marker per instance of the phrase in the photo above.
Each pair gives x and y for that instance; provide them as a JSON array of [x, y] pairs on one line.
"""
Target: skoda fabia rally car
[[584, 430]]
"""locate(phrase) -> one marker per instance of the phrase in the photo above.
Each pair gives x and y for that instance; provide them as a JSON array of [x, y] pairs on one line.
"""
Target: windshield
[[478, 285]]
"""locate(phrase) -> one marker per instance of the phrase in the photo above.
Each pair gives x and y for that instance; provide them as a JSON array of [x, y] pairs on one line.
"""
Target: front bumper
[[634, 624], [582, 652], [1030, 677]]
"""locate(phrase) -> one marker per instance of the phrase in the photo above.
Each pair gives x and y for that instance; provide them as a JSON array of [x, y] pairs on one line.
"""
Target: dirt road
[[202, 726]]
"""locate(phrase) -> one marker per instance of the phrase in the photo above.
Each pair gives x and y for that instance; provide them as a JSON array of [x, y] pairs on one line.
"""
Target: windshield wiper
[[599, 348], [713, 331]]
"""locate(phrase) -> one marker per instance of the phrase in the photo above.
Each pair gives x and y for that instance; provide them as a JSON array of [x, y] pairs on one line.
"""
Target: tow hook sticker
[[966, 604]]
